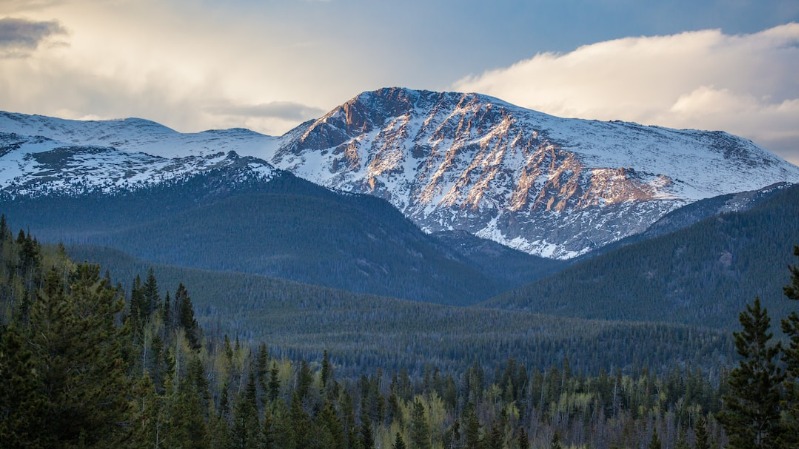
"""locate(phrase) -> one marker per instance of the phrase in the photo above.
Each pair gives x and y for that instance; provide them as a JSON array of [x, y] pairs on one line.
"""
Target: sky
[[268, 65]]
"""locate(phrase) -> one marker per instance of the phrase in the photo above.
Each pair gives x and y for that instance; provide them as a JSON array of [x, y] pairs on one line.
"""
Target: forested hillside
[[88, 364], [702, 275], [367, 332]]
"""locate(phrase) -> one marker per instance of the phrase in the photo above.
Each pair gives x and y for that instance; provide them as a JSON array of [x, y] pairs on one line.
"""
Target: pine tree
[[185, 317], [654, 442], [246, 428], [555, 443], [21, 403], [304, 380], [752, 408], [472, 433], [367, 439], [523, 440], [420, 431], [152, 299], [790, 356], [78, 352], [331, 424], [327, 370], [701, 435], [274, 383], [681, 443], [399, 443]]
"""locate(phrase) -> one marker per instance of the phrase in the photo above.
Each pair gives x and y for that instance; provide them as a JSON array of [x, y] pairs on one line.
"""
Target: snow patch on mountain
[[38, 166]]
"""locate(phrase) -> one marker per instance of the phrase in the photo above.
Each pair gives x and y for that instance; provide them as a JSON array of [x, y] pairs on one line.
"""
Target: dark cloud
[[285, 110], [20, 37]]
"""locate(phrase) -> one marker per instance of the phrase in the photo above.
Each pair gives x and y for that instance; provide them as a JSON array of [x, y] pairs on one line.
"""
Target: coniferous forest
[[87, 363]]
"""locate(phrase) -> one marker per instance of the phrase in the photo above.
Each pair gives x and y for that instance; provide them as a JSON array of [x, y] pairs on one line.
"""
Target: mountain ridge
[[551, 187]]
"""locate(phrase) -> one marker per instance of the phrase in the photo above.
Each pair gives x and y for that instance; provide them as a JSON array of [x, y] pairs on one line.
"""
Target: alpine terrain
[[548, 186]]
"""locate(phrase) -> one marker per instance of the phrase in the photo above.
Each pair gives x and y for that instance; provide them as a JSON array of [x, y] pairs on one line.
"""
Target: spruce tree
[[790, 356], [367, 438], [420, 431], [78, 349], [399, 443], [654, 442], [472, 434], [701, 435], [555, 443], [523, 441], [752, 408], [21, 403]]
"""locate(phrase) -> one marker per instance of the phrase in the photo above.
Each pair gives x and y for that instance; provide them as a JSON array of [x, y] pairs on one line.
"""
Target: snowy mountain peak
[[550, 186]]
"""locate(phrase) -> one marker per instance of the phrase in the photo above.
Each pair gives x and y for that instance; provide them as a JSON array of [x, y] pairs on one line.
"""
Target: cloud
[[284, 110], [744, 84], [20, 37]]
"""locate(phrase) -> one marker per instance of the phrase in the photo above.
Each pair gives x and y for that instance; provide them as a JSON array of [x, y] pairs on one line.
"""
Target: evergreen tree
[[681, 442], [472, 429], [654, 442], [185, 317], [152, 298], [523, 441], [304, 380], [330, 422], [245, 429], [147, 417], [78, 350], [327, 370], [367, 438], [752, 407], [790, 327], [555, 443], [399, 443], [268, 433], [21, 403], [301, 423], [274, 383], [701, 435], [420, 430]]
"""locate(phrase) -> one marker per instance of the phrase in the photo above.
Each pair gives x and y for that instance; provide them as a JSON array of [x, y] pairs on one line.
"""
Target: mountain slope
[[548, 186], [231, 217], [703, 274]]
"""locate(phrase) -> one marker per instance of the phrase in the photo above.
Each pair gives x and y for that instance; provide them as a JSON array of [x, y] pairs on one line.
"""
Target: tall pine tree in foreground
[[790, 326], [752, 407]]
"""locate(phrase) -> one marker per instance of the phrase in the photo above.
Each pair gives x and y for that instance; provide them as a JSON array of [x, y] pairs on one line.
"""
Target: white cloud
[[744, 84]]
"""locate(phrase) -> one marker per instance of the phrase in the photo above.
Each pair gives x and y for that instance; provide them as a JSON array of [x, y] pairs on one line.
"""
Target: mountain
[[232, 213], [548, 186], [703, 274], [137, 135]]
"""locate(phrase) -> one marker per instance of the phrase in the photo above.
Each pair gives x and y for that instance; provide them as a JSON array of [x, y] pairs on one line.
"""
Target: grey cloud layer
[[19, 37], [285, 110]]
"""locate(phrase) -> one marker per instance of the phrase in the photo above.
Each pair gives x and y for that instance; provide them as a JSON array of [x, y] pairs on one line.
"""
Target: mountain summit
[[549, 186]]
